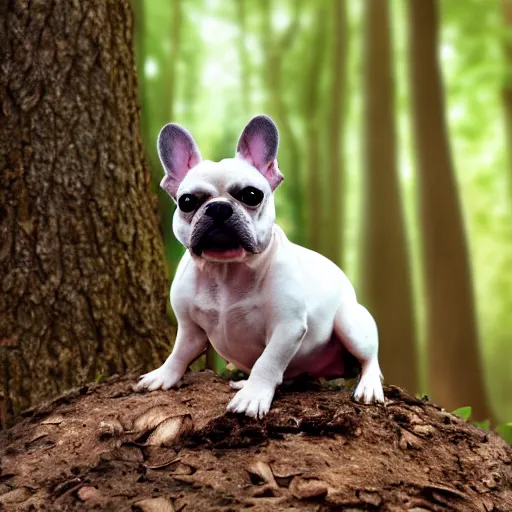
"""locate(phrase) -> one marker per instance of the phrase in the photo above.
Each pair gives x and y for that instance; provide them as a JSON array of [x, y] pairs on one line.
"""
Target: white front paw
[[252, 400], [369, 389], [162, 377]]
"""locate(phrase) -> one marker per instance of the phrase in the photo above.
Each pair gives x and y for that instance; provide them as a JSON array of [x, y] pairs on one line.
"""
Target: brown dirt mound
[[103, 447]]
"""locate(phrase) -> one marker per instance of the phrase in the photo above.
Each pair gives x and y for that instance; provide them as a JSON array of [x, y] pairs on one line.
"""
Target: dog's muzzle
[[220, 229]]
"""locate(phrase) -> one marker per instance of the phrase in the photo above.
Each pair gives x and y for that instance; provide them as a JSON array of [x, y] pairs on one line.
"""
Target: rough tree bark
[[386, 280], [83, 282], [333, 238], [454, 366]]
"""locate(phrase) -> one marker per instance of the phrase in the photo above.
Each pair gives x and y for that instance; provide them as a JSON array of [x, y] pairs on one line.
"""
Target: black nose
[[219, 211]]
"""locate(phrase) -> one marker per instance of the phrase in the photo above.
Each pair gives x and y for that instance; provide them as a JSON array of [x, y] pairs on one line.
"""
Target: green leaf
[[482, 424], [463, 412], [99, 378], [505, 431]]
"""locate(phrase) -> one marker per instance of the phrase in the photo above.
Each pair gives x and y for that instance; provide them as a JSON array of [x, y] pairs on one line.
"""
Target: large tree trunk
[[84, 287], [333, 236], [386, 281], [454, 367]]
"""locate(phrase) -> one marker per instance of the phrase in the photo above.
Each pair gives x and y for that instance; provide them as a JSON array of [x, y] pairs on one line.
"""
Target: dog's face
[[225, 210]]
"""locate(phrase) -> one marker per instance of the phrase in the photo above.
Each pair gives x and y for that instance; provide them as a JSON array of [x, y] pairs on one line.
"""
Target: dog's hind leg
[[356, 329]]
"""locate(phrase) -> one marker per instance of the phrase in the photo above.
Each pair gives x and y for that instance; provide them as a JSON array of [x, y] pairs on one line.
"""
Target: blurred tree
[[166, 103], [454, 367], [245, 67], [333, 236], [507, 88], [275, 50], [84, 287], [385, 274], [313, 122], [170, 71]]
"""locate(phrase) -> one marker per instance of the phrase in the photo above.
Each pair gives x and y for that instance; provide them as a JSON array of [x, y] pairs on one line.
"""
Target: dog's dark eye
[[187, 203], [250, 196]]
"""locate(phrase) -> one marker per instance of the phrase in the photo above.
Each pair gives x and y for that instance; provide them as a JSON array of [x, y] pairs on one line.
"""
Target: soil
[[105, 447]]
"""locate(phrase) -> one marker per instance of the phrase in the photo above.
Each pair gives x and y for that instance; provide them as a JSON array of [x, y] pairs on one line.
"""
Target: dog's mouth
[[221, 243]]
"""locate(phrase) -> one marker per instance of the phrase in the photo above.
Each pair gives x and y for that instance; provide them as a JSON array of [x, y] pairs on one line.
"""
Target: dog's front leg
[[191, 341], [255, 397]]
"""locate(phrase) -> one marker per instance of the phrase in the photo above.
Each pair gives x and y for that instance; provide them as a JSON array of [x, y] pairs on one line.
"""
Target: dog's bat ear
[[178, 153], [258, 146]]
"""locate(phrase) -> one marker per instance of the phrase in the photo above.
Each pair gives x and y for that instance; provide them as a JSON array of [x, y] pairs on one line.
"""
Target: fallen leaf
[[303, 488], [53, 420], [155, 505], [371, 498], [169, 431], [424, 430], [262, 470], [15, 496], [164, 464], [409, 440], [110, 428], [284, 473], [89, 493], [151, 418]]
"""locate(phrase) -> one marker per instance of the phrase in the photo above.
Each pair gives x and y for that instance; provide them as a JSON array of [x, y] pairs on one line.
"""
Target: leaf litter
[[107, 448]]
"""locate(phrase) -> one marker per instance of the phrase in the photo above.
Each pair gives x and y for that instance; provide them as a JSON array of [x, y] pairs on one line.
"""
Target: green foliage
[[463, 412], [484, 425], [505, 431]]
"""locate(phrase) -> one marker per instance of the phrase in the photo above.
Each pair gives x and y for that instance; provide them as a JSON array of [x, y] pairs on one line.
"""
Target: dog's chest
[[233, 319]]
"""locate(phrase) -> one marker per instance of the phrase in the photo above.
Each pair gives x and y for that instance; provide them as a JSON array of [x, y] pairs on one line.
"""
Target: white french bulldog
[[272, 308]]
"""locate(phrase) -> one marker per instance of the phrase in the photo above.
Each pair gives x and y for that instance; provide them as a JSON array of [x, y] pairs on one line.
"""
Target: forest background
[[395, 123]]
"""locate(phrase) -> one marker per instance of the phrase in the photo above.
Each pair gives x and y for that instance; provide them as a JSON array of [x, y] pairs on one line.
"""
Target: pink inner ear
[[183, 160], [178, 154], [256, 151], [258, 146]]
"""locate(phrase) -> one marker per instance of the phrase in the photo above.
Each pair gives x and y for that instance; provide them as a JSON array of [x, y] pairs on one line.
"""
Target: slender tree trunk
[[313, 127], [275, 50], [386, 281], [507, 88], [333, 238], [244, 55], [454, 365], [84, 288]]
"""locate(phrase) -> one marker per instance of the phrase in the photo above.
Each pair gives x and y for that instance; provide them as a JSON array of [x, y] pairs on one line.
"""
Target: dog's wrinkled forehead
[[218, 178]]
